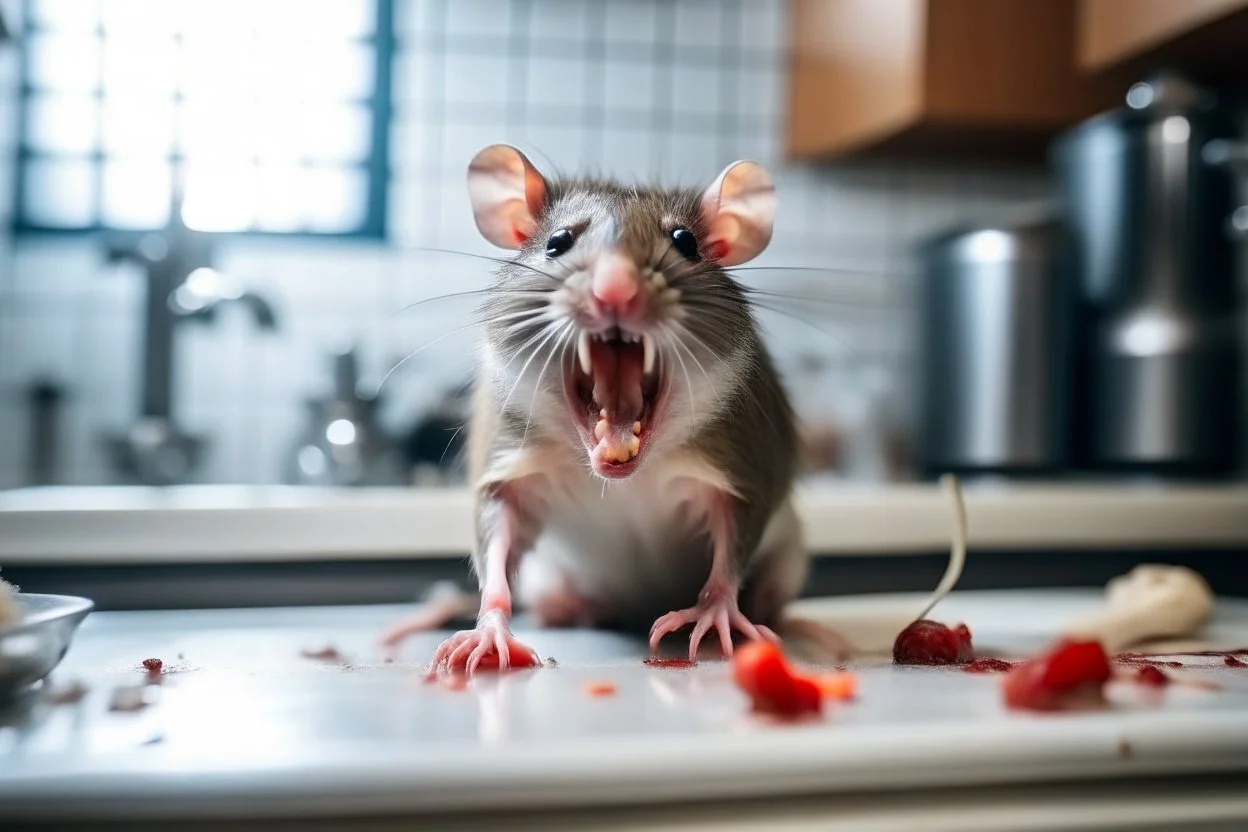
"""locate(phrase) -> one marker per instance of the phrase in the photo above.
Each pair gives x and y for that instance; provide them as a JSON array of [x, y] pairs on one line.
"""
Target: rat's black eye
[[685, 243], [559, 242]]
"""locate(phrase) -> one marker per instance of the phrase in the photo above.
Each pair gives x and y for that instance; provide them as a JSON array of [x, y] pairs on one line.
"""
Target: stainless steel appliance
[[1158, 388], [995, 351], [342, 443]]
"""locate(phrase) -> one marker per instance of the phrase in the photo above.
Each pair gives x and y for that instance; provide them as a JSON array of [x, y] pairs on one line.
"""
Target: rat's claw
[[716, 609], [459, 656], [467, 650], [768, 633]]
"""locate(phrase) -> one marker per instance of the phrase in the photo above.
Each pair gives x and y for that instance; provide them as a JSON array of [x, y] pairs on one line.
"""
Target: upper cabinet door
[[972, 78], [1113, 32]]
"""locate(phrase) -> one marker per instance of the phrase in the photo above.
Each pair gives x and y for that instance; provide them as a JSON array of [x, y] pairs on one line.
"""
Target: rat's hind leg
[[544, 589], [778, 581], [717, 607], [443, 604]]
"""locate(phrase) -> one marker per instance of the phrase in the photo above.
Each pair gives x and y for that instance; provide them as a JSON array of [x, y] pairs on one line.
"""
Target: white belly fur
[[637, 548]]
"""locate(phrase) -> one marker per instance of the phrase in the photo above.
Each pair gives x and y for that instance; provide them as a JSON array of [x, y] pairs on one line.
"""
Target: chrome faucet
[[182, 285]]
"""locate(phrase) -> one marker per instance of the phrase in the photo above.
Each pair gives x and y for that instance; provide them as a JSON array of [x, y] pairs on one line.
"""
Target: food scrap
[[10, 612], [521, 659], [1150, 675], [127, 699], [598, 689], [69, 694], [655, 661], [761, 671], [929, 642], [1069, 675], [329, 653], [1152, 601], [988, 666], [1142, 660], [1231, 661], [153, 665], [842, 686]]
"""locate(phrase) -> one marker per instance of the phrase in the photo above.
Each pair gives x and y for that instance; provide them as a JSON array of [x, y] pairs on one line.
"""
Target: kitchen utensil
[[32, 648], [343, 443], [1233, 156], [46, 399], [1145, 217], [995, 351]]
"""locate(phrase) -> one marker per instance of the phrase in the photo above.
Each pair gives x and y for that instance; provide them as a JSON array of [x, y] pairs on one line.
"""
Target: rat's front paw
[[717, 607], [489, 645]]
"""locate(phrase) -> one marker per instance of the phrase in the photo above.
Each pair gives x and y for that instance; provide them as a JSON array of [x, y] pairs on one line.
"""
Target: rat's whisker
[[683, 330], [551, 330], [449, 296], [450, 442], [502, 261], [850, 304], [667, 340], [841, 340], [812, 269], [559, 347], [421, 349], [521, 315]]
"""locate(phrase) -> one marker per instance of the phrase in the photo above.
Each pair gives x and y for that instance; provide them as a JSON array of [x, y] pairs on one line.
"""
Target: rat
[[631, 448]]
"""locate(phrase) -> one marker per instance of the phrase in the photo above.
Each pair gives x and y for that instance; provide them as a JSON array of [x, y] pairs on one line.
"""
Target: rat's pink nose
[[614, 283]]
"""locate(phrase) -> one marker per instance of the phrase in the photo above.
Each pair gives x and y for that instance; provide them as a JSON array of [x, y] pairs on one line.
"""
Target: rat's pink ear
[[507, 193], [738, 209]]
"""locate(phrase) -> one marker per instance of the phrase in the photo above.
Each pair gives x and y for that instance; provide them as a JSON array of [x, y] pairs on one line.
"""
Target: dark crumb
[[181, 657], [328, 653], [988, 666], [127, 699], [1141, 660], [70, 694], [551, 662], [1125, 751], [388, 660], [154, 739], [1231, 661], [1149, 675]]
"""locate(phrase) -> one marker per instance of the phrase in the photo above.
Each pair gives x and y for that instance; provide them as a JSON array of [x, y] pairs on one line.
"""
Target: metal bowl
[[32, 648]]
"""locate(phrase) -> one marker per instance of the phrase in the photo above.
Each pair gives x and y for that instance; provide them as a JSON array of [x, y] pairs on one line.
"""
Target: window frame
[[376, 166]]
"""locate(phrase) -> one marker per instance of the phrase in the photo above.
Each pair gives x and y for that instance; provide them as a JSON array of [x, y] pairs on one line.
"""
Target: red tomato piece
[[521, 659], [761, 671], [1069, 672]]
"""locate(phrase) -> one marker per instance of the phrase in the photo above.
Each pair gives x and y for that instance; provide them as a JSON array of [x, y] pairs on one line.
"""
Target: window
[[272, 114]]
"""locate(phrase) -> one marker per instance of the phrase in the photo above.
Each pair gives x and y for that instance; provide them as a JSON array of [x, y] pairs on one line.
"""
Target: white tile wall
[[638, 88]]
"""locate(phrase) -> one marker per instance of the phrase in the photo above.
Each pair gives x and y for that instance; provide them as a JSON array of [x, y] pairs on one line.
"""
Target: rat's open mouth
[[614, 394]]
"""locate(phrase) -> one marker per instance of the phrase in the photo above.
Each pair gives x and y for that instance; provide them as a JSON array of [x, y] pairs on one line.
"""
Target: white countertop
[[245, 726], [224, 523]]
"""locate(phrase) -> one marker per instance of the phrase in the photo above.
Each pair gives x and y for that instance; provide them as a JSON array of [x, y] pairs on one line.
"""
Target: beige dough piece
[[10, 614], [1151, 602]]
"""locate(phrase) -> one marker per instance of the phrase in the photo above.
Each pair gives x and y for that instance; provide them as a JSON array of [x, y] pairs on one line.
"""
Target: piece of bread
[[10, 613]]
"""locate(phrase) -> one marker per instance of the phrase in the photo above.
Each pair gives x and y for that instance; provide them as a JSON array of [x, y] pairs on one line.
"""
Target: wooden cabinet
[[987, 78], [1112, 32]]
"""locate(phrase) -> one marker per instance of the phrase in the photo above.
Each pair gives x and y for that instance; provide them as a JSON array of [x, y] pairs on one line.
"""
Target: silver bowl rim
[[67, 606]]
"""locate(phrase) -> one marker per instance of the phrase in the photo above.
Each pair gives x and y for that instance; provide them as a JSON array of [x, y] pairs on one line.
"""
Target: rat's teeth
[[634, 445], [647, 344], [582, 352], [636, 428], [600, 429]]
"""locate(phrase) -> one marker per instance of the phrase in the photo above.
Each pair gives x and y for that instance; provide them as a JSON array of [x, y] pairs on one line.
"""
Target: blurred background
[[216, 216]]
